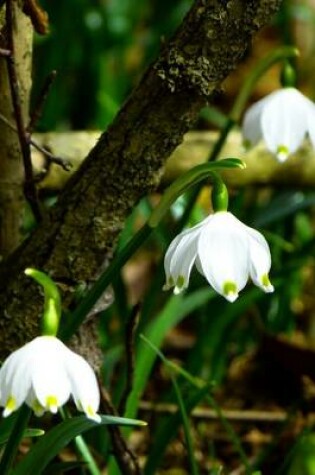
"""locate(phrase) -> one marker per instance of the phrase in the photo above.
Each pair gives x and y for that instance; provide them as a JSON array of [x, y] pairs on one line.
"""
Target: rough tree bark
[[77, 237]]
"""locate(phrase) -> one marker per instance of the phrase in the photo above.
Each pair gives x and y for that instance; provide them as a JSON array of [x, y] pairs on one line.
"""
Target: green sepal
[[288, 75], [52, 302], [220, 195]]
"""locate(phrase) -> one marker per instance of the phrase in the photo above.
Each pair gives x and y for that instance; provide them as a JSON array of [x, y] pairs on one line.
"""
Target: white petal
[[15, 380], [49, 377], [84, 387], [181, 256], [251, 127], [284, 122], [311, 122], [223, 250], [260, 260]]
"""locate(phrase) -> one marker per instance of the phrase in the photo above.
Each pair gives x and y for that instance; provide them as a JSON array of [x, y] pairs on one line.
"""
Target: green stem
[[173, 368], [199, 383], [86, 455], [220, 195], [72, 322], [82, 447], [189, 442], [280, 54], [15, 438], [52, 304]]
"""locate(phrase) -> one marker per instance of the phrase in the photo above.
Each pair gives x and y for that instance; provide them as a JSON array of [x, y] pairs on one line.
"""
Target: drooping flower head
[[43, 374], [225, 251], [282, 120]]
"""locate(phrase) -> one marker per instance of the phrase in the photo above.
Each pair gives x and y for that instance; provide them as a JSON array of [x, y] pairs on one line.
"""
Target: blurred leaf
[[53, 441], [177, 308], [283, 205]]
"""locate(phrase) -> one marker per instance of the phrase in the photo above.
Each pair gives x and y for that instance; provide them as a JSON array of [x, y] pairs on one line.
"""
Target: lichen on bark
[[77, 237]]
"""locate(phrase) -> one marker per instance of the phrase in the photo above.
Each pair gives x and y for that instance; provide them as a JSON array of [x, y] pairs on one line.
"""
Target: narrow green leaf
[[58, 437], [177, 308]]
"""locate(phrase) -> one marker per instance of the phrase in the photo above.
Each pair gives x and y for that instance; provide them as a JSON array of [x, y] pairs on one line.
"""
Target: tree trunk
[[12, 203], [76, 239]]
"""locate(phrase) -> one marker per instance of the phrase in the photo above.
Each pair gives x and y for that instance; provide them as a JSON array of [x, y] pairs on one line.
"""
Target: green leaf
[[58, 437], [177, 308], [4, 436]]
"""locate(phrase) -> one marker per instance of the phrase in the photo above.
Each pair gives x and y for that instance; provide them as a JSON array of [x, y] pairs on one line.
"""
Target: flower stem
[[280, 54], [82, 447], [86, 455], [13, 443], [52, 305], [70, 324], [220, 195]]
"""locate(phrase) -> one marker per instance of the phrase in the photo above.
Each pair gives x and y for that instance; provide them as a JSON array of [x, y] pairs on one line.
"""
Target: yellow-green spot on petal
[[170, 281], [52, 403], [265, 280], [38, 408], [10, 406], [282, 152], [90, 411], [180, 282], [91, 414], [230, 290], [268, 287]]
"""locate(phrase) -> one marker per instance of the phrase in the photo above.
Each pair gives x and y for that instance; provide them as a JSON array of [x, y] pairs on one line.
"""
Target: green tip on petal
[[230, 291], [9, 407], [282, 152], [169, 284], [180, 282], [91, 414], [52, 404], [268, 287]]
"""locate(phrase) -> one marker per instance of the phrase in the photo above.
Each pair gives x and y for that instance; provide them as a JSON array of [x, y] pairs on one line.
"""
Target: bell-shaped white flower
[[225, 251], [282, 119], [43, 374]]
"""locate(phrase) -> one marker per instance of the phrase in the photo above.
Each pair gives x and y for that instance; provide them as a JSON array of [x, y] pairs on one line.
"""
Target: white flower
[[224, 250], [282, 119], [44, 373]]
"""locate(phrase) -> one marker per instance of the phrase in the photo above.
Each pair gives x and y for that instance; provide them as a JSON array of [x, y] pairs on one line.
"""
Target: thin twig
[[38, 109], [211, 414], [125, 458], [29, 185], [130, 355], [62, 162]]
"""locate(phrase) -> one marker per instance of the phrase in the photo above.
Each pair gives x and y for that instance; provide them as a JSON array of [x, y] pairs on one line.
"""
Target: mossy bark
[[77, 238]]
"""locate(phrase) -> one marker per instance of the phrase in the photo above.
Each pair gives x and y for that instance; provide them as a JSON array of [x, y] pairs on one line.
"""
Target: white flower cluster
[[283, 119], [44, 373], [224, 250]]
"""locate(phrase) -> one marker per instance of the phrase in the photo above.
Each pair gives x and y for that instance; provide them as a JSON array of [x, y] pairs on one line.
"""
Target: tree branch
[[76, 239]]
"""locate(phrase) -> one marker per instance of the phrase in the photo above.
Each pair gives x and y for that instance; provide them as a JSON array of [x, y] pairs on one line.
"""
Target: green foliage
[[100, 50], [58, 437]]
